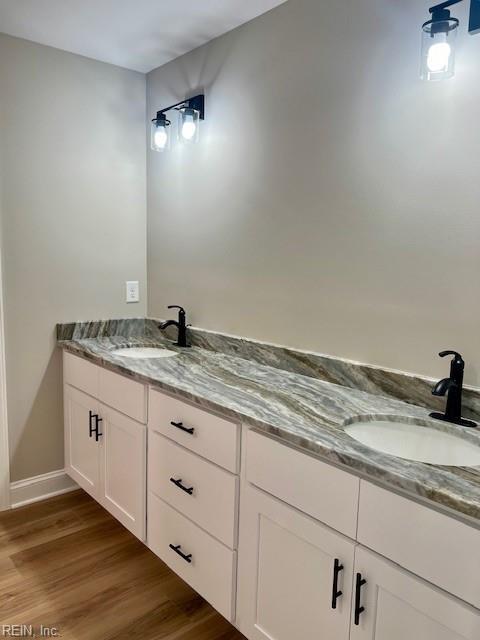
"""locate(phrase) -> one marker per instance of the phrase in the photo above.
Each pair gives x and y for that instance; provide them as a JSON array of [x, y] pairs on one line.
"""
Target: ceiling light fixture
[[191, 111]]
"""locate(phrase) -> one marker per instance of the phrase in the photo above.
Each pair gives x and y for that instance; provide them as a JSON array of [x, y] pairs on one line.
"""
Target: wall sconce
[[191, 111], [438, 40]]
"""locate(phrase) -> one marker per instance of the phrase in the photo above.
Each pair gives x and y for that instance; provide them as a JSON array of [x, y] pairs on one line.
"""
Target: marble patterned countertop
[[300, 411]]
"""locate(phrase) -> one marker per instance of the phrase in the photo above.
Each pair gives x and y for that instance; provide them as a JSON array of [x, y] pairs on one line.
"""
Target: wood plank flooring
[[66, 563]]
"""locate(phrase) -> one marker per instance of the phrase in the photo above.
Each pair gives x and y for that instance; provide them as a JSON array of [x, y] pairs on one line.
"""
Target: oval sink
[[144, 353], [416, 442]]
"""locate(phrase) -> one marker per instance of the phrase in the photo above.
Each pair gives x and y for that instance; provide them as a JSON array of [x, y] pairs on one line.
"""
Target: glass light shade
[[189, 125], [160, 135], [438, 49]]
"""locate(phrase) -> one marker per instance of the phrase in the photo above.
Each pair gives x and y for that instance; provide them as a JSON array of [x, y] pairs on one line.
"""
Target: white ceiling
[[137, 34]]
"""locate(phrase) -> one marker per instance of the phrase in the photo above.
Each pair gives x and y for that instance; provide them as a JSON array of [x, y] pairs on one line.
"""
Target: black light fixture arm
[[443, 6], [197, 103], [442, 21], [474, 22], [440, 12]]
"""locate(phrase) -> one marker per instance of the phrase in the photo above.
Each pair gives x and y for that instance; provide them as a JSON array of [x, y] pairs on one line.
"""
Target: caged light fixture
[[438, 39], [191, 111]]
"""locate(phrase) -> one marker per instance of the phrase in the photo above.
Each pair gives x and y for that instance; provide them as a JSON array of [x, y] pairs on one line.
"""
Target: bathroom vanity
[[285, 524]]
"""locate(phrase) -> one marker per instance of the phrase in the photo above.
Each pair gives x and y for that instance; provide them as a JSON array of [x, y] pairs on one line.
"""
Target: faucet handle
[[450, 352]]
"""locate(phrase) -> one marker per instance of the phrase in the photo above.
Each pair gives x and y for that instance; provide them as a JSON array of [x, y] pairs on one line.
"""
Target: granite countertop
[[301, 411]]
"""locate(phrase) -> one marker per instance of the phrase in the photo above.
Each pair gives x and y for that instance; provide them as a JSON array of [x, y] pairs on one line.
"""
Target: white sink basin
[[144, 353], [416, 442]]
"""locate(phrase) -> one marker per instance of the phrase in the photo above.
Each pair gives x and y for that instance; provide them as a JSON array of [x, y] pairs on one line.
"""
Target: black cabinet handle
[[177, 548], [97, 423], [94, 429], [91, 429], [178, 483], [179, 425], [337, 567], [359, 582]]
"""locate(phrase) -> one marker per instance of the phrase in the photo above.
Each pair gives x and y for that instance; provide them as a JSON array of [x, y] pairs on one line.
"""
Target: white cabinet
[[105, 453], [292, 571], [123, 455], [399, 606], [288, 565], [288, 561], [297, 570], [82, 453]]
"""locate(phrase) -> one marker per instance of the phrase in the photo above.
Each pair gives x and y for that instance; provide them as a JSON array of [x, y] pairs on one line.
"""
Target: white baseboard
[[40, 487]]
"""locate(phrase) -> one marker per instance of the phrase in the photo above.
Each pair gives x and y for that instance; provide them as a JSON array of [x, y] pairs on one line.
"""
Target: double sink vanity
[[297, 507]]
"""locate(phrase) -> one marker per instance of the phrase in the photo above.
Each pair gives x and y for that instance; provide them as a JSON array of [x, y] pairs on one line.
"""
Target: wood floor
[[66, 563]]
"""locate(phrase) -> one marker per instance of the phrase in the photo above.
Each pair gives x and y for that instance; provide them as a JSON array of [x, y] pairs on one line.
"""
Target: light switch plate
[[132, 291]]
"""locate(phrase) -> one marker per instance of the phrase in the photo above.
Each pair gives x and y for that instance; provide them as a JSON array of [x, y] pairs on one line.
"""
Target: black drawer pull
[[177, 548], [178, 483], [97, 432], [91, 429], [180, 426], [337, 567], [94, 429], [358, 594]]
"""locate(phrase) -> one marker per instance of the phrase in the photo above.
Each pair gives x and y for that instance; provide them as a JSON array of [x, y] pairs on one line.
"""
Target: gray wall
[[333, 203], [73, 147]]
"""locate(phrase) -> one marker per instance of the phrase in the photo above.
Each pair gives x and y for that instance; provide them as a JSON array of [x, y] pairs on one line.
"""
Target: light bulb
[[188, 125], [188, 128], [160, 138], [438, 56]]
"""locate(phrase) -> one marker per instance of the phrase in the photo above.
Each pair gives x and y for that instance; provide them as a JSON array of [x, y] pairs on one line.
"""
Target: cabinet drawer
[[80, 373], [211, 570], [212, 497], [125, 395], [208, 435], [434, 546], [324, 492]]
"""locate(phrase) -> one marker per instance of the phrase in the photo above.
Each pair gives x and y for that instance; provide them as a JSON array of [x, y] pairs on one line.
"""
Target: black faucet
[[452, 387], [181, 326]]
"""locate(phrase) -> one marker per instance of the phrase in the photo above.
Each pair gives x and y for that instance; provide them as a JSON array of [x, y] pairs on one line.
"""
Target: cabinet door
[[287, 568], [400, 606], [124, 470], [82, 448]]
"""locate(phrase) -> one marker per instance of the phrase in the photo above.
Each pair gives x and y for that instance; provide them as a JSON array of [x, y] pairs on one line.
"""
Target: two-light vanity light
[[190, 111], [438, 39]]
